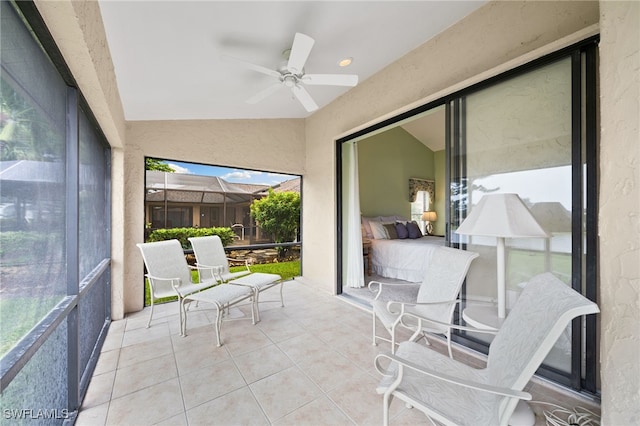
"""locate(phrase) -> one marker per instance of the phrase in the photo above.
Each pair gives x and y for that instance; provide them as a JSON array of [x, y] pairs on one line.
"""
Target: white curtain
[[353, 259]]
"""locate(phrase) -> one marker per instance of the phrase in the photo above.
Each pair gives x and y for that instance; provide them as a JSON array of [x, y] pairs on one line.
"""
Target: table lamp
[[501, 216], [429, 216]]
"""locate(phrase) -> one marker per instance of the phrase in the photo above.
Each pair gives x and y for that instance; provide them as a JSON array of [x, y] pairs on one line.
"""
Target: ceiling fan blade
[[300, 50], [331, 79], [258, 68], [264, 93], [304, 97]]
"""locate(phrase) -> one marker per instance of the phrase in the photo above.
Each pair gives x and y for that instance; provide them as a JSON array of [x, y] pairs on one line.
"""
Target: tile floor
[[309, 363]]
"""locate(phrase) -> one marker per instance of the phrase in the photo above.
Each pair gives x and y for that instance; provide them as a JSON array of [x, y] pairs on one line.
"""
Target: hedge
[[183, 235]]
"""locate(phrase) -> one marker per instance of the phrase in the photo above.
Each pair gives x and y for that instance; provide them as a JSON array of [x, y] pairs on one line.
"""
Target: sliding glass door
[[529, 134]]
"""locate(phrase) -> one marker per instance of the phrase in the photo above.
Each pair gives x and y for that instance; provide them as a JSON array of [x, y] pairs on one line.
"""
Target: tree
[[159, 165], [279, 215]]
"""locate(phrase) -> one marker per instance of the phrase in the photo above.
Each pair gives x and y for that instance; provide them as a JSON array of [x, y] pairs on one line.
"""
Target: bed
[[398, 248], [405, 259]]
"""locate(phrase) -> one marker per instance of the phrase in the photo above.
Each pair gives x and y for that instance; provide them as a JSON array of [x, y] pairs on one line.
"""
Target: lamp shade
[[501, 215], [429, 216]]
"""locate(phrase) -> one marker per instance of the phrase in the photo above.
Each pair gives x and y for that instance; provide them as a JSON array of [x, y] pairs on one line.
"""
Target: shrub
[[183, 235]]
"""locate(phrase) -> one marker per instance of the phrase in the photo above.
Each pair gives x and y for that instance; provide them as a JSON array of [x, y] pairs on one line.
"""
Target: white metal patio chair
[[436, 298], [453, 393], [210, 255], [168, 273]]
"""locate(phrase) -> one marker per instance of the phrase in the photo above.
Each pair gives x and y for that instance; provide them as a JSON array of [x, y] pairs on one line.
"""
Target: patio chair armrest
[[246, 262], [175, 282], [508, 392], [421, 318], [200, 266], [381, 285]]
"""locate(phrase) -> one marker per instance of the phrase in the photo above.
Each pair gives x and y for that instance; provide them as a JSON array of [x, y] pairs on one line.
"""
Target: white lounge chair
[[436, 298], [210, 256], [453, 393], [168, 273]]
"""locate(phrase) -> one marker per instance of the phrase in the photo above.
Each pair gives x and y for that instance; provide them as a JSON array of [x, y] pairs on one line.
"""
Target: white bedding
[[403, 259]]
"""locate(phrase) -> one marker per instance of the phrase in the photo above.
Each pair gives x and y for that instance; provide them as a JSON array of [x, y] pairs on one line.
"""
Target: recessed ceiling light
[[345, 62]]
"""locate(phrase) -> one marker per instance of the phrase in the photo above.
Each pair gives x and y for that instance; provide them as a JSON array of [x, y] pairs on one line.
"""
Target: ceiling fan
[[291, 74]]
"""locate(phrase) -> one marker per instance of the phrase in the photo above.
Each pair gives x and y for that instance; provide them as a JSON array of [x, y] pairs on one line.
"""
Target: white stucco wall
[[619, 215]]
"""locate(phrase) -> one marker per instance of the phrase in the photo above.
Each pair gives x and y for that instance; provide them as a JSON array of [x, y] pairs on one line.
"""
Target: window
[[54, 225]]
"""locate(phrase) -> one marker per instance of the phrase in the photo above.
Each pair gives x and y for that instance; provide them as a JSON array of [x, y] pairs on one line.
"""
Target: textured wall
[[386, 161], [619, 216]]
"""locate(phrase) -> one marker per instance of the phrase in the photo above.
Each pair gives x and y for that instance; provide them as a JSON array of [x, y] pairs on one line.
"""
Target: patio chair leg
[[281, 297], [219, 322], [150, 313], [256, 300], [373, 337]]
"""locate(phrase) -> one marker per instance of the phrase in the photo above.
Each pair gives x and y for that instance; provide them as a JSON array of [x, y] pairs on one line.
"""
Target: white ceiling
[[167, 54]]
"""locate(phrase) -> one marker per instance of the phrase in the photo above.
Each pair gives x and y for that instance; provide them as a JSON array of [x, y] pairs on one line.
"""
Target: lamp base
[[429, 228], [522, 416]]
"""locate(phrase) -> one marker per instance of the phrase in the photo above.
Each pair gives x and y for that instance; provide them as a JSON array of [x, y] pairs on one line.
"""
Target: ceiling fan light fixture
[[345, 62]]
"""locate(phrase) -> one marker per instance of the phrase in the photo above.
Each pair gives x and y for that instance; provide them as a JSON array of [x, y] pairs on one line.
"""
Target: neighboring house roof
[[186, 188], [291, 185]]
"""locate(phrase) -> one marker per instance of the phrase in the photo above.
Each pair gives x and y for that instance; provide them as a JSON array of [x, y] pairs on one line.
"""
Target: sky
[[232, 175]]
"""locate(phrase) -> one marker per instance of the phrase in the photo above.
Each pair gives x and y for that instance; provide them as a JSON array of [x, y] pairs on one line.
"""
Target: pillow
[[414, 230], [391, 231], [401, 230], [390, 219], [367, 227], [379, 233]]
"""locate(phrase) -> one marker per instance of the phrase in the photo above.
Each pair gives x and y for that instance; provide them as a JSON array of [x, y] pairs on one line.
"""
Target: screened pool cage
[[176, 200]]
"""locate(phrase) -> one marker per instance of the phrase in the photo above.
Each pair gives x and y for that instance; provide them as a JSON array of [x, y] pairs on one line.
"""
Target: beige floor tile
[[358, 399], [100, 390], [321, 411], [262, 362], [177, 420], [145, 351], [197, 336], [147, 406], [108, 361], [302, 346], [94, 416], [141, 335], [284, 392], [241, 337], [143, 374], [328, 369], [210, 382], [201, 354], [279, 329], [113, 340], [236, 408]]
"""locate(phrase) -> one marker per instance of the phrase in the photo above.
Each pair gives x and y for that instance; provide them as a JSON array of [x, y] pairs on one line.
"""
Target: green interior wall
[[386, 161]]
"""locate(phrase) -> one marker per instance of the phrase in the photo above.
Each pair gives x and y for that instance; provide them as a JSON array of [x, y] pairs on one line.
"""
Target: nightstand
[[366, 252]]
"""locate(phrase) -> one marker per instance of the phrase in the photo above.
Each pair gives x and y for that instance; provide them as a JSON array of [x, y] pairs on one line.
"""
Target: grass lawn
[[286, 270]]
